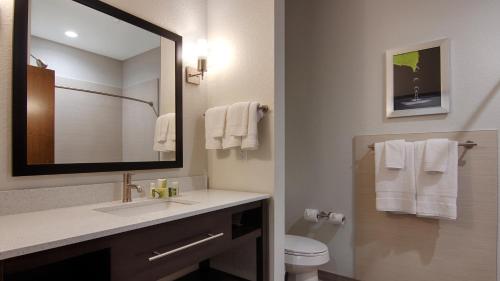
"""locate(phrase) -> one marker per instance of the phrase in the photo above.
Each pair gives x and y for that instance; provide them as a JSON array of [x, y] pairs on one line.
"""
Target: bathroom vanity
[[98, 89], [142, 240], [73, 115]]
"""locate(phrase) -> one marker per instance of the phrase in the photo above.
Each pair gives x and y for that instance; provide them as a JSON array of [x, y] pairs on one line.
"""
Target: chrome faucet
[[127, 188]]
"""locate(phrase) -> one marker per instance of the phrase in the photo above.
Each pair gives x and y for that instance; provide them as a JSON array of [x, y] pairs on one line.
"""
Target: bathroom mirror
[[90, 82]]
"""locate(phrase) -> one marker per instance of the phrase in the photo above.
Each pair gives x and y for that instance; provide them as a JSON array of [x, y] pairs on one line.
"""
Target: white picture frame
[[435, 103]]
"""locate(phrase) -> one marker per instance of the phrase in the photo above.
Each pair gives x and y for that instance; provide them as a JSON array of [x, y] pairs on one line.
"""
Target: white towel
[[170, 143], [161, 129], [395, 188], [215, 121], [395, 154], [437, 192], [237, 119], [251, 140], [229, 141], [436, 155], [164, 139]]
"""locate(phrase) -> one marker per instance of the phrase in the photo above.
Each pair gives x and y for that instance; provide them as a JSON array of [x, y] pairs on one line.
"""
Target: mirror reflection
[[99, 89]]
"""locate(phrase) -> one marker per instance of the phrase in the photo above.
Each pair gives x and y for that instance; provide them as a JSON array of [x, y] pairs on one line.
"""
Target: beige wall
[[185, 17], [335, 90], [243, 32], [244, 66]]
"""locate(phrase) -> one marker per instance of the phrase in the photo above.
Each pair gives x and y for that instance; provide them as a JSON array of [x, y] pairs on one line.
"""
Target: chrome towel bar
[[264, 108], [467, 145]]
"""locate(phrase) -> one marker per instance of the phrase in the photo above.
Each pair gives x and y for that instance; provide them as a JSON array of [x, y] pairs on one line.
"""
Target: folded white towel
[[436, 155], [170, 143], [395, 188], [395, 154], [251, 140], [437, 192], [215, 121], [161, 129], [237, 119], [229, 141], [168, 146], [164, 140]]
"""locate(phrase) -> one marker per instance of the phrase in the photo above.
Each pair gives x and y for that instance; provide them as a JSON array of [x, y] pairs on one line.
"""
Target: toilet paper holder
[[314, 215], [324, 214]]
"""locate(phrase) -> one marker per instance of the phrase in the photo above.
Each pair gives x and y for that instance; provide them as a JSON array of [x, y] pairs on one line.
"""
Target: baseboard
[[327, 276]]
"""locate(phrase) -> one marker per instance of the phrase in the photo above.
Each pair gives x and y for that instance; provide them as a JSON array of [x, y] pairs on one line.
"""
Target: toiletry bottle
[[170, 192], [152, 187], [174, 189], [162, 183]]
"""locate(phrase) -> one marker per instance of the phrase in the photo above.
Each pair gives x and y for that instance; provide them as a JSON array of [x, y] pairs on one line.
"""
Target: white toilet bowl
[[303, 256]]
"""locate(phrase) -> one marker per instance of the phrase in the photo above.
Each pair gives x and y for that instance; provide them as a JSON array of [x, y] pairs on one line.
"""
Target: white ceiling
[[98, 33]]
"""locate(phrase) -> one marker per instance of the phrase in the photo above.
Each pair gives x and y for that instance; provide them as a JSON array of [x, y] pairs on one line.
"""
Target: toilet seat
[[303, 246], [303, 251]]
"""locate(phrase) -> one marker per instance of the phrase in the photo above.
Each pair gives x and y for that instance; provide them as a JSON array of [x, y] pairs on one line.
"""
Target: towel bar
[[466, 145], [263, 108]]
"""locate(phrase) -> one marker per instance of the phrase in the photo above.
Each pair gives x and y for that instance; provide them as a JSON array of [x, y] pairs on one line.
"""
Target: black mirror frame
[[20, 166]]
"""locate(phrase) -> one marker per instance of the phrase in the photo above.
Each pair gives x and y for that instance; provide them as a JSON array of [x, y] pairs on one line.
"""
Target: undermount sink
[[145, 207]]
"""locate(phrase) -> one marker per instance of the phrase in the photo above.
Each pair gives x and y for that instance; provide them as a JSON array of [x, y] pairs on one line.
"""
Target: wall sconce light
[[193, 75]]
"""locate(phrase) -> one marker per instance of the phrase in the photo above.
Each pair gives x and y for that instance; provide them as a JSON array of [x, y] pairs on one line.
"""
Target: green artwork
[[417, 79], [410, 59]]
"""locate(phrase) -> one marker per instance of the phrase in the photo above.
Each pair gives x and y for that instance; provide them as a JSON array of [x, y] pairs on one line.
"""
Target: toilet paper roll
[[311, 215], [336, 218]]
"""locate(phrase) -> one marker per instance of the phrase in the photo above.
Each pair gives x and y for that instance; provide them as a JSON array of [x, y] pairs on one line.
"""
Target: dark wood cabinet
[[152, 252], [132, 253]]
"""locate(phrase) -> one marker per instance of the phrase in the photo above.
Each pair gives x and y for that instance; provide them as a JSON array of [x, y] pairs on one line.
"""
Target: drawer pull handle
[[161, 255]]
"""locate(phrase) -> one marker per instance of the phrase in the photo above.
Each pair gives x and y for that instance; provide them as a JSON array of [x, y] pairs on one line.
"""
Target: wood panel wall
[[391, 247], [41, 115]]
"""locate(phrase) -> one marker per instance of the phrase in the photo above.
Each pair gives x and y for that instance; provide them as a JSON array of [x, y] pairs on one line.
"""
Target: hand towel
[[164, 139], [437, 192], [170, 143], [161, 129], [395, 154], [215, 123], [251, 140], [395, 188], [436, 155], [229, 141], [237, 119]]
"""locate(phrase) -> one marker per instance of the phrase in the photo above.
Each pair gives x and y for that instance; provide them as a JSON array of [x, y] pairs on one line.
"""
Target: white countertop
[[27, 233]]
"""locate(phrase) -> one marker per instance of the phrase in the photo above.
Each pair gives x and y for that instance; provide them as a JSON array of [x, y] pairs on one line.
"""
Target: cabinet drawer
[[153, 252]]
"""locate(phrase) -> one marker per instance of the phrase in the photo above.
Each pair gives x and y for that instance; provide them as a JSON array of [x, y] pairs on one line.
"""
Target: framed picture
[[418, 79]]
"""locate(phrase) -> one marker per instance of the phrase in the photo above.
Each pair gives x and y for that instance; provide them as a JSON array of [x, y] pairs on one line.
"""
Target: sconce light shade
[[202, 65], [193, 74]]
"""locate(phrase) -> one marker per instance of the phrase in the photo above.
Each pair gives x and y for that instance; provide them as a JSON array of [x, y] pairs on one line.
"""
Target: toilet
[[303, 256]]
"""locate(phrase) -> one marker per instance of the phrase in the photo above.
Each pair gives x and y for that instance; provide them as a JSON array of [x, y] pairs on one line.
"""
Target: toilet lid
[[303, 245]]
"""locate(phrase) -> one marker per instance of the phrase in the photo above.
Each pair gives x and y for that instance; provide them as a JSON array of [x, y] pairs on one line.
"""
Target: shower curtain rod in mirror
[[150, 103]]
